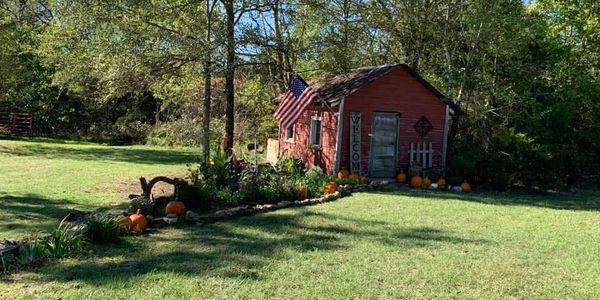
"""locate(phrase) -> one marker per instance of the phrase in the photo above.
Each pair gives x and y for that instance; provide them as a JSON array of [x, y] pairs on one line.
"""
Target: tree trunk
[[206, 105], [229, 77]]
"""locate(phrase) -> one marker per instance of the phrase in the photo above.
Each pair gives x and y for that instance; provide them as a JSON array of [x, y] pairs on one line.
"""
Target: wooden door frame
[[397, 143]]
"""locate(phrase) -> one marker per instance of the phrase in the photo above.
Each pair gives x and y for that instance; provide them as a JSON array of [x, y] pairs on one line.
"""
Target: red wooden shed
[[372, 121]]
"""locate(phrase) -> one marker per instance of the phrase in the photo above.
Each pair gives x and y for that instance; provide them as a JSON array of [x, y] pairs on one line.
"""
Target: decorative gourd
[[441, 182], [302, 192], [426, 183], [354, 176], [466, 187], [330, 187], [401, 177], [343, 174], [416, 182], [124, 223], [138, 222], [175, 207]]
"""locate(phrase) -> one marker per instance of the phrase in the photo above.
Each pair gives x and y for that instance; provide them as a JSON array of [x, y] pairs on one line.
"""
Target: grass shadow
[[243, 247], [32, 212], [587, 201], [104, 153]]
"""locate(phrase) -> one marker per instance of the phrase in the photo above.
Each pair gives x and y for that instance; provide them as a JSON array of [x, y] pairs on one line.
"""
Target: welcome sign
[[355, 142]]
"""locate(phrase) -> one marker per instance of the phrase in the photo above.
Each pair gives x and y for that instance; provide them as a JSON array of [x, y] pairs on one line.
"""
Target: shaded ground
[[43, 180], [366, 246]]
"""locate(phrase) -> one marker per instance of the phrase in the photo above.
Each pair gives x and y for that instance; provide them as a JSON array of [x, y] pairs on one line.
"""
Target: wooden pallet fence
[[16, 123], [421, 153]]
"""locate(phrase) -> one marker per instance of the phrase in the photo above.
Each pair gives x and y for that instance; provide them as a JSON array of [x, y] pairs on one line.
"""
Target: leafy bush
[[197, 196], [65, 240], [102, 229], [180, 132], [315, 174], [344, 181], [125, 132], [32, 251], [291, 166], [142, 203]]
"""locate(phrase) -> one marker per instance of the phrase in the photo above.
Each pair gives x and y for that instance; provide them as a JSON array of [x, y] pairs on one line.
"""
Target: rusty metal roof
[[332, 90]]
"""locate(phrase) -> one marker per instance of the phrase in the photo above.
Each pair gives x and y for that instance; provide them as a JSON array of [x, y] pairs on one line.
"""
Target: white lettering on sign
[[355, 142]]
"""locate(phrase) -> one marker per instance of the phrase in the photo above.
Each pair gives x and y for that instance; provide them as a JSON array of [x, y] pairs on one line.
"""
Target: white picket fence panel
[[421, 153]]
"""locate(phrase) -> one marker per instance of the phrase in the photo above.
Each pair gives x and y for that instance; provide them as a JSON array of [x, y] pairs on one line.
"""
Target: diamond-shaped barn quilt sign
[[423, 126]]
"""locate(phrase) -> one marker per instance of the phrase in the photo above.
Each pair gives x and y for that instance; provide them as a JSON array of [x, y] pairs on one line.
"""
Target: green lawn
[[412, 244], [43, 180]]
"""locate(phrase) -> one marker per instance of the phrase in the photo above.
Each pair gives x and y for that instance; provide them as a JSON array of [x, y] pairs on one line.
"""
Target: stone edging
[[245, 210]]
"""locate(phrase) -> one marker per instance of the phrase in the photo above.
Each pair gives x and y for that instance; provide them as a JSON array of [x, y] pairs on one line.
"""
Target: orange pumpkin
[[441, 182], [302, 192], [343, 174], [138, 222], [401, 177], [363, 178], [426, 183], [466, 187], [354, 176], [175, 207], [416, 182], [124, 223], [331, 187]]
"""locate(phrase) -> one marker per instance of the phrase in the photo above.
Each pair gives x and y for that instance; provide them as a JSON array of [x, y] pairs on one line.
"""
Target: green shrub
[[128, 132], [344, 181], [102, 229], [32, 251], [197, 196], [142, 203], [291, 166], [65, 240], [315, 174], [180, 132]]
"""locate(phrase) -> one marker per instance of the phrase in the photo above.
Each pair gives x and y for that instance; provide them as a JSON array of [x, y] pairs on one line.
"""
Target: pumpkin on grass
[[416, 182], [466, 187], [343, 174], [426, 182], [401, 177], [175, 207], [138, 222], [331, 187]]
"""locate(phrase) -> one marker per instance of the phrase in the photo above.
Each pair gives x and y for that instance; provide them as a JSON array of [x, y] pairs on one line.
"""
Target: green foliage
[[33, 250], [126, 132], [102, 229], [143, 203], [181, 132], [65, 240]]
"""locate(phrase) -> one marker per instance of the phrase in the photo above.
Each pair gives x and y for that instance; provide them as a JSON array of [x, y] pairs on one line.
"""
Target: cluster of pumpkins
[[425, 183], [344, 174], [137, 222]]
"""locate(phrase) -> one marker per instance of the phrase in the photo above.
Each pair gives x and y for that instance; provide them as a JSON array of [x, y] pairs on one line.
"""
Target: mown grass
[[42, 180], [407, 245], [410, 244]]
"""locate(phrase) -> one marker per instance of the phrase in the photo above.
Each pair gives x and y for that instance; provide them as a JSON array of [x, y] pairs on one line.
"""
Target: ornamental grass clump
[[102, 229], [65, 240]]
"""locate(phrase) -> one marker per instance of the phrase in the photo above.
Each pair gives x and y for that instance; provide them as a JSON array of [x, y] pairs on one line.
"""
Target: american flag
[[297, 98]]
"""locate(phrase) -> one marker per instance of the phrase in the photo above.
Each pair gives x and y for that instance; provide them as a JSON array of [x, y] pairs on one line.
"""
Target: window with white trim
[[289, 134], [316, 131]]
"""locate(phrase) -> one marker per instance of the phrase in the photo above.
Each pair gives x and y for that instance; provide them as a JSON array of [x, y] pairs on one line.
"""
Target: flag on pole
[[297, 98]]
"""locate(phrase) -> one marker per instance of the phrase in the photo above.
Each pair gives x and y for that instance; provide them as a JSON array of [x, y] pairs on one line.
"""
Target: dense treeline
[[526, 74]]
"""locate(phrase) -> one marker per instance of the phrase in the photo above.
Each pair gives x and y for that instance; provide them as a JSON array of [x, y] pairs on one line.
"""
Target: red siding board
[[396, 91], [323, 157]]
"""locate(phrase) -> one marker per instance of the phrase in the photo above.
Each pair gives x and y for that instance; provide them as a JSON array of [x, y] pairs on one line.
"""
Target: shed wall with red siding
[[396, 91], [299, 147]]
